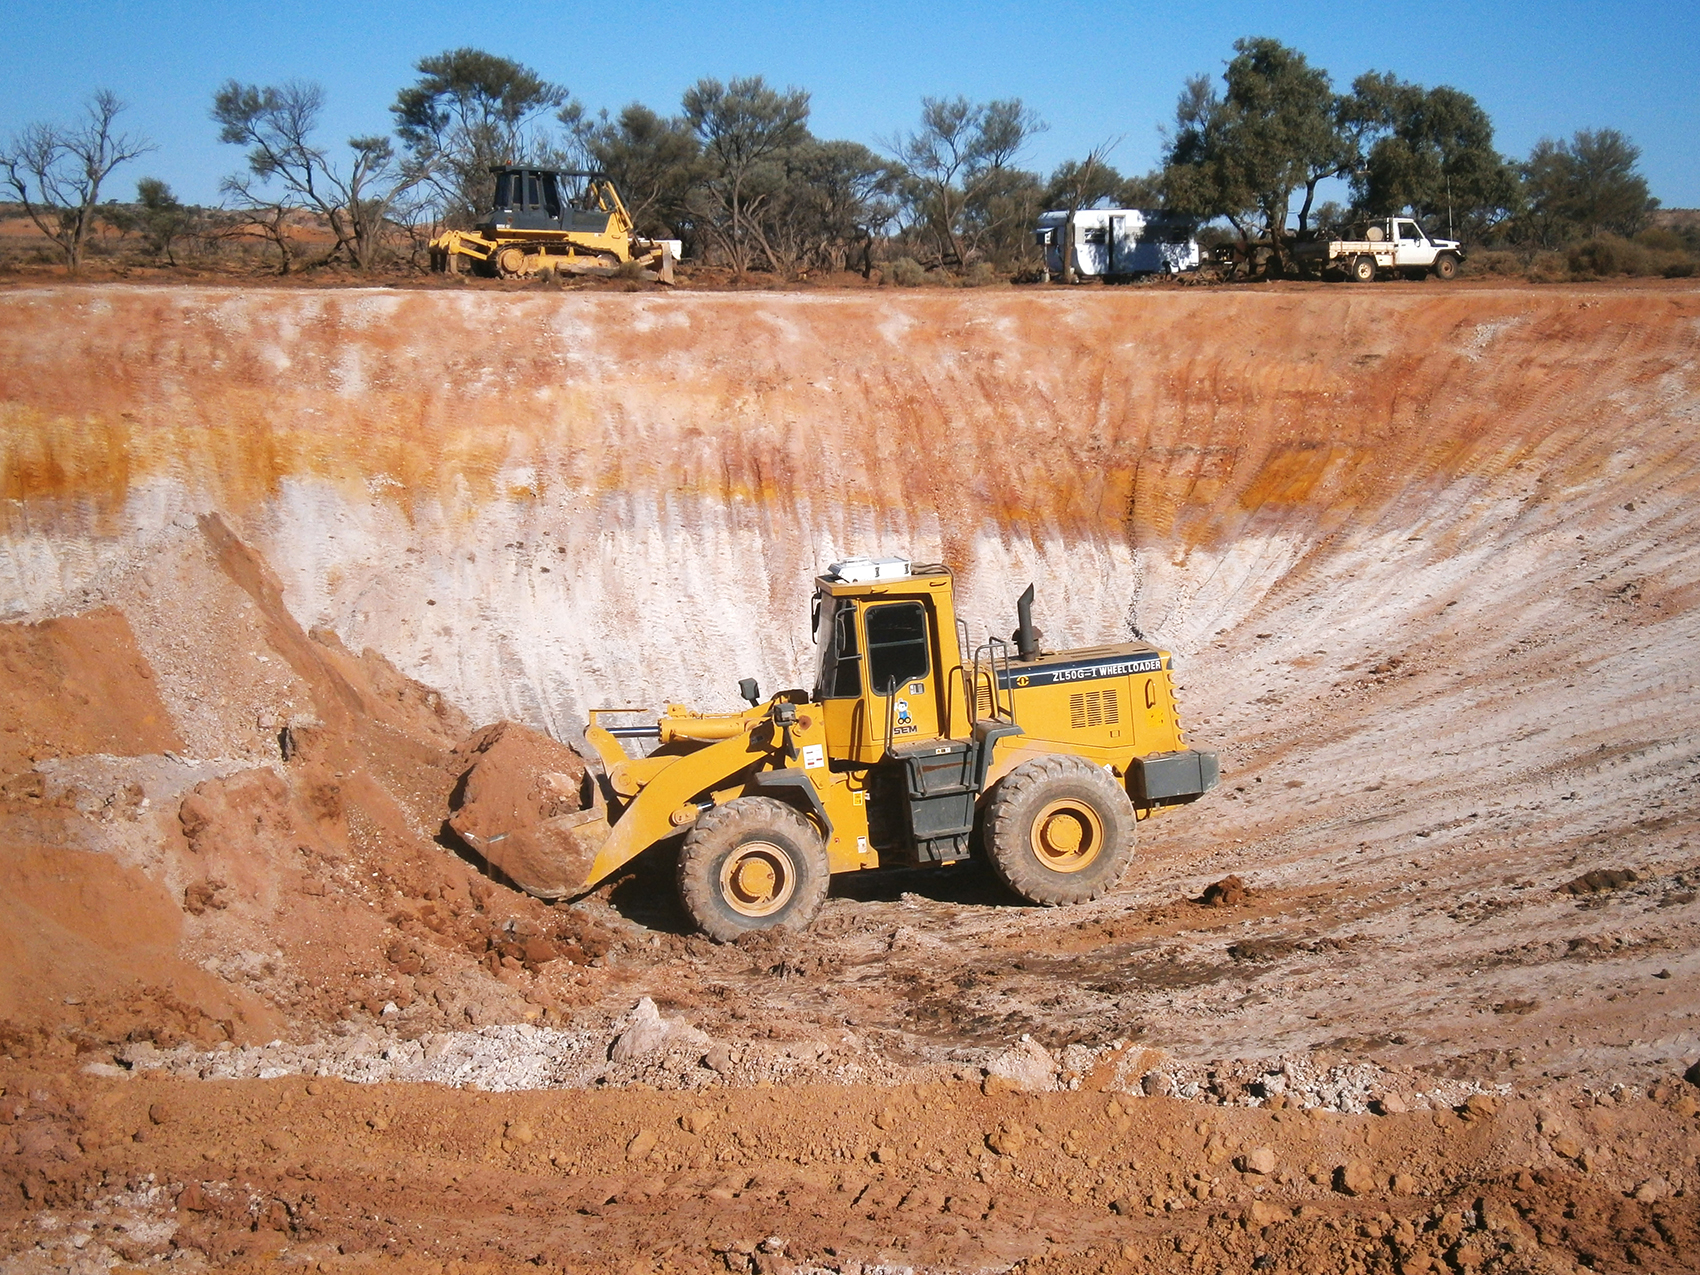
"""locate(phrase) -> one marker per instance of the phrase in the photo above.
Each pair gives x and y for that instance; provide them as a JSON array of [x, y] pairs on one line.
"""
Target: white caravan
[[1118, 243]]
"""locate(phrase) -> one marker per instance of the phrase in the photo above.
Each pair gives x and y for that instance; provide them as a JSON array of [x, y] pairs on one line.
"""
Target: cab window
[[841, 659], [897, 644]]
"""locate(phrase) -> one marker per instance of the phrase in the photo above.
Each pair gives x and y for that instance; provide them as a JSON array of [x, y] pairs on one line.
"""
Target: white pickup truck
[[1390, 245]]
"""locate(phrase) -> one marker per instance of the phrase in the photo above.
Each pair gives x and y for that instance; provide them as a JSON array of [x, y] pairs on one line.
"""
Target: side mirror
[[750, 691]]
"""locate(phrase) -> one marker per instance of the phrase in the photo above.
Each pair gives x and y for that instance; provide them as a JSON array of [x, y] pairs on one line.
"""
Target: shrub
[[1606, 255], [906, 272], [979, 275], [1661, 240]]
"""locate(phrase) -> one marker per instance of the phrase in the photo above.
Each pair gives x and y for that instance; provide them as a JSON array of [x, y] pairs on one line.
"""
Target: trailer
[[1118, 244]]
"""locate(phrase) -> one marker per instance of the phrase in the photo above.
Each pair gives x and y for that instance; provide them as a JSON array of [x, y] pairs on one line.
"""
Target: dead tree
[[56, 172]]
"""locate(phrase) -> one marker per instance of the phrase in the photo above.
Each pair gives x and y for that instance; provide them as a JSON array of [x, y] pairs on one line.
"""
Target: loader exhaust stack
[[1026, 636]]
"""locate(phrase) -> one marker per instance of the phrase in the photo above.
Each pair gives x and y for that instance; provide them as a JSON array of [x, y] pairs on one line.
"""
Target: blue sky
[[1092, 71]]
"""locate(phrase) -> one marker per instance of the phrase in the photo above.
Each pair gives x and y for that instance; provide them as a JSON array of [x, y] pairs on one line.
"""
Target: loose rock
[[697, 1121], [1354, 1178], [1229, 892], [1007, 1140], [1261, 1161], [1027, 1065]]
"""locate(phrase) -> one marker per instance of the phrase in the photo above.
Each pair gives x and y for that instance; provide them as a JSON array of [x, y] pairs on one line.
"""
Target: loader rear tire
[[1059, 830], [752, 864]]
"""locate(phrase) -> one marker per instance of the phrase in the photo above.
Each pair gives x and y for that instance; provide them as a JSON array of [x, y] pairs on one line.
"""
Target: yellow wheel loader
[[912, 749], [549, 220]]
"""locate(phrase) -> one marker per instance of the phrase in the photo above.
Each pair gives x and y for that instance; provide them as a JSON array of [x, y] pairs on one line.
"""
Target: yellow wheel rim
[[1067, 836], [757, 879]]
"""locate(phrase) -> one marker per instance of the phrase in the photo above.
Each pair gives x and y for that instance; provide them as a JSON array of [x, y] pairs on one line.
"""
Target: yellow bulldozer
[[551, 220], [912, 749]]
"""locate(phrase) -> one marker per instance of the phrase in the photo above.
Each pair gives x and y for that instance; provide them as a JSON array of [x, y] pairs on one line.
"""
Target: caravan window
[[1095, 234]]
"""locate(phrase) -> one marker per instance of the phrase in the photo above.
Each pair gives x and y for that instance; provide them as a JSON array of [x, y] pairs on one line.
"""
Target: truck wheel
[[1363, 269], [1059, 830], [1446, 266], [752, 864]]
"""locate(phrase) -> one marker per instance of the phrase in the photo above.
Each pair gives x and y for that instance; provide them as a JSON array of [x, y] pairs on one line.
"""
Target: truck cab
[[1412, 247]]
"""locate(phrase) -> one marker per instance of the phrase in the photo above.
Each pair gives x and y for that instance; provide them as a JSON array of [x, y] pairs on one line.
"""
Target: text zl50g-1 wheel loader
[[911, 750], [552, 220]]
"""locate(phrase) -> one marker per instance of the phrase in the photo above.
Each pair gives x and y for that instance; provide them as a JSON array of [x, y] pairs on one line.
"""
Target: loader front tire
[[1059, 830], [752, 864]]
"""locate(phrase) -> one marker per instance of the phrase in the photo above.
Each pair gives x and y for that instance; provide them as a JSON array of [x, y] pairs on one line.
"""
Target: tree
[[1077, 185], [287, 169], [1429, 152], [960, 162], [1277, 126], [742, 126], [998, 217], [830, 200], [56, 171], [156, 216], [655, 162], [469, 112], [1579, 188]]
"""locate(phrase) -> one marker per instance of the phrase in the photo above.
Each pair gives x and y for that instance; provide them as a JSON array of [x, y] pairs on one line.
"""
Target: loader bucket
[[550, 860]]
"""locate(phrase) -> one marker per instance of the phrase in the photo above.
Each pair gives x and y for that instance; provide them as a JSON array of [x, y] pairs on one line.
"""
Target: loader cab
[[886, 675], [551, 199]]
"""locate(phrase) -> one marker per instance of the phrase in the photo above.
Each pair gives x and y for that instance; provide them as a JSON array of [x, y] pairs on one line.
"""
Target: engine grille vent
[[1093, 708]]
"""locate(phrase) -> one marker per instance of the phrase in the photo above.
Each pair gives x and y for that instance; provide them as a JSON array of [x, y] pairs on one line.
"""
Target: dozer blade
[[550, 860]]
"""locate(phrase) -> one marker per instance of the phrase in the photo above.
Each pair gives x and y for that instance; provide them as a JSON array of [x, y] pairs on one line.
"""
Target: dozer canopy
[[552, 199]]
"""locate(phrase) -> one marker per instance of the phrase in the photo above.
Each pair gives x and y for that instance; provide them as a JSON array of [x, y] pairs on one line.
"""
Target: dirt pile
[[167, 900], [514, 803]]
